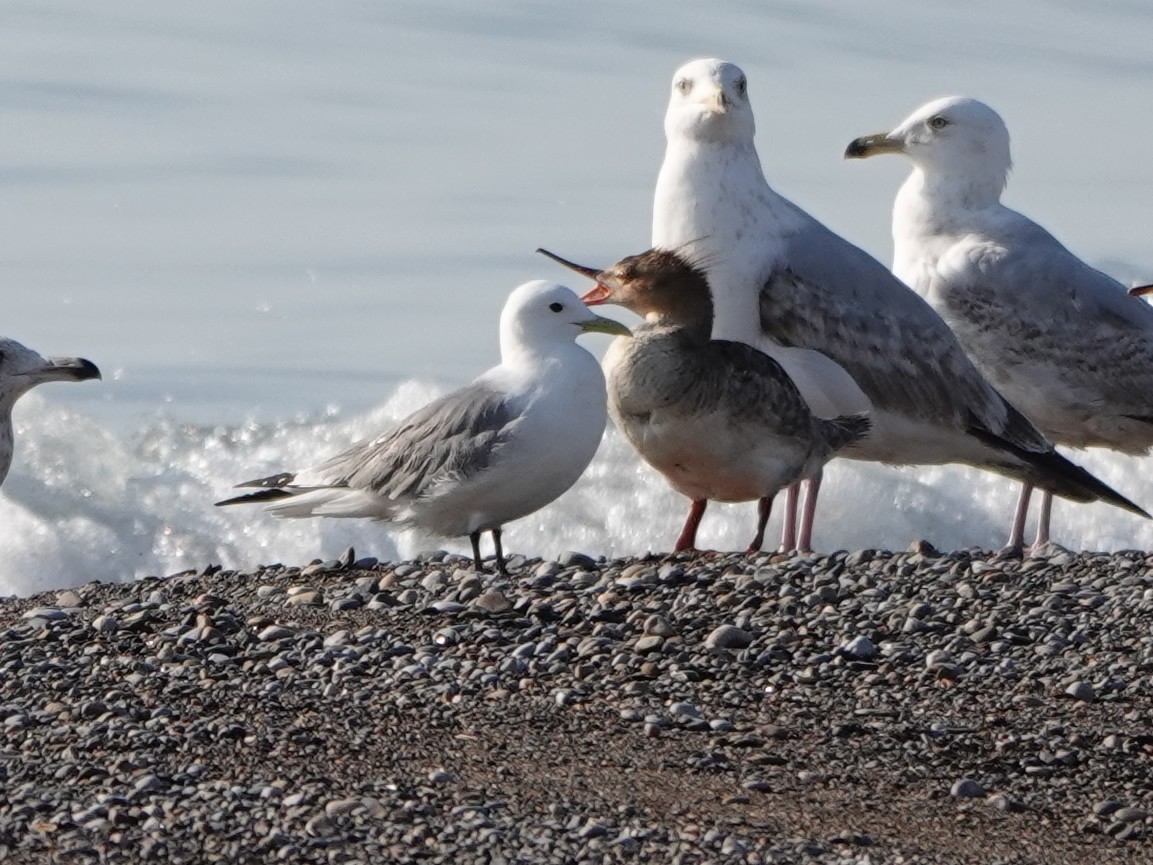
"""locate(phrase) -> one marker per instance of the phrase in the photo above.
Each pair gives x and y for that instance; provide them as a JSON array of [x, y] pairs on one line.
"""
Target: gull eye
[[684, 85], [938, 122], [742, 86], [555, 306]]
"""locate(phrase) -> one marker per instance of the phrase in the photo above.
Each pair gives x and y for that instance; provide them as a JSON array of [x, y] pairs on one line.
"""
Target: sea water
[[280, 226]]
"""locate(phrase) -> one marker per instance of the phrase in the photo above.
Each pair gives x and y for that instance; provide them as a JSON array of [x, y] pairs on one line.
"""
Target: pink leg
[[1017, 532], [1043, 520], [688, 537], [764, 508], [808, 515], [789, 529]]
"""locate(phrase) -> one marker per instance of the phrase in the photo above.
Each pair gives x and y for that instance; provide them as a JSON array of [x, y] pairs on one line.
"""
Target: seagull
[[719, 419], [492, 452], [21, 369], [782, 280], [1060, 339]]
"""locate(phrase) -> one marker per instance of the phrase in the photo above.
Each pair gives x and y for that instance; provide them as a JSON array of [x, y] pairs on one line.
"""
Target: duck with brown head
[[719, 419]]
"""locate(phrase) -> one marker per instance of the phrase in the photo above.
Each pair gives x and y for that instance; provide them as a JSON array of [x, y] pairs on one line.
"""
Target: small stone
[[342, 806], [492, 601], [441, 776], [648, 644], [576, 560], [1003, 803], [69, 598], [1082, 691], [275, 632], [729, 637], [938, 658], [967, 788], [48, 614], [685, 710], [861, 648], [1130, 815], [658, 626], [148, 783], [319, 825], [309, 598], [105, 624]]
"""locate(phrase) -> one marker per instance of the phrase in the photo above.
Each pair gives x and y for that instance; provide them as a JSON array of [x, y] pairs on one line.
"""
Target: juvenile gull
[[1057, 337], [780, 279], [492, 452], [21, 369], [719, 419]]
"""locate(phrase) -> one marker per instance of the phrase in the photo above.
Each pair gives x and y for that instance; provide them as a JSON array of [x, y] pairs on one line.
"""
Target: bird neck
[[689, 311], [693, 176], [517, 352], [942, 194]]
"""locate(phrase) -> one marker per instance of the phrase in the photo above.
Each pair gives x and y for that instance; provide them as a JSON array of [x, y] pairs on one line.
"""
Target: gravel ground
[[864, 707]]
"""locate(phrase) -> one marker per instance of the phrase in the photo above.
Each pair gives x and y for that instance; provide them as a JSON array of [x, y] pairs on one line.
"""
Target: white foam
[[84, 503]]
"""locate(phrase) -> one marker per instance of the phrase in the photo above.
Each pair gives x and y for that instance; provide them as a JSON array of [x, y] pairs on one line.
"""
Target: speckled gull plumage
[[1061, 340]]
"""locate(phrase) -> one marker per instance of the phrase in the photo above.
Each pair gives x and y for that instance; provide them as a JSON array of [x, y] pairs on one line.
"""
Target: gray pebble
[[729, 637], [860, 647], [1082, 691], [967, 788]]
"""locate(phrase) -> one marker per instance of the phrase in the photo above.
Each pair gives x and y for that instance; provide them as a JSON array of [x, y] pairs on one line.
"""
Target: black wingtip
[[271, 482], [1049, 470], [255, 498]]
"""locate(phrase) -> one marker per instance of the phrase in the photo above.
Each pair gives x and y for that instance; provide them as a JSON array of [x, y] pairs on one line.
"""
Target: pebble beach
[[861, 707]]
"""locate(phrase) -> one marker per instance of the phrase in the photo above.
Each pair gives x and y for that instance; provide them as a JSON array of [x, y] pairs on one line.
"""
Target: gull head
[[658, 283], [709, 102], [21, 369], [542, 315], [955, 139]]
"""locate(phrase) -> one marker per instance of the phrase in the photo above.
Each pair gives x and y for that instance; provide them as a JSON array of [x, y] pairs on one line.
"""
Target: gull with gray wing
[[1057, 337], [782, 280], [494, 451], [21, 369]]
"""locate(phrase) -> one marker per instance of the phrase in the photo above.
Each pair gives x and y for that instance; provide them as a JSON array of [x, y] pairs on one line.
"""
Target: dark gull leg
[[1043, 520], [789, 528], [499, 552], [475, 538], [688, 537], [764, 508], [1017, 532], [809, 513]]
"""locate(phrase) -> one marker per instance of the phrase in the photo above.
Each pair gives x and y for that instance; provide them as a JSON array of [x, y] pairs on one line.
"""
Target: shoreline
[[861, 707]]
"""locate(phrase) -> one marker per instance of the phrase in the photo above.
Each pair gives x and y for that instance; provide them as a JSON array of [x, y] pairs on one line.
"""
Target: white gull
[[494, 451], [719, 419], [781, 280], [21, 369], [1057, 337]]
